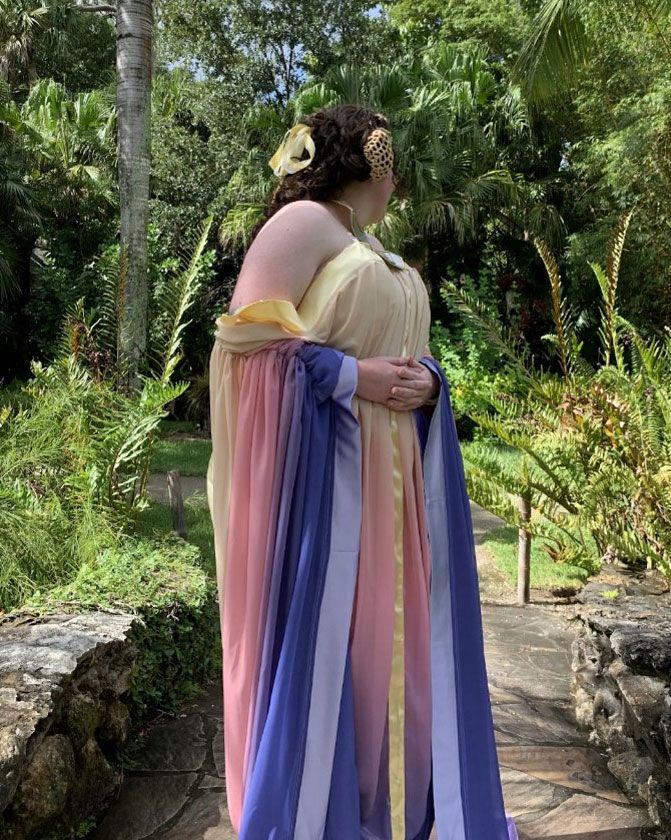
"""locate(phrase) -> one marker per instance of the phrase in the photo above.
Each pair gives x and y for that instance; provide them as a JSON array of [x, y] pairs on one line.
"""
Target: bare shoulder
[[298, 224], [286, 253], [301, 213]]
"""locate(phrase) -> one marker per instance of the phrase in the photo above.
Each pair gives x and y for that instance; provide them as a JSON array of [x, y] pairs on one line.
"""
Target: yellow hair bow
[[287, 158]]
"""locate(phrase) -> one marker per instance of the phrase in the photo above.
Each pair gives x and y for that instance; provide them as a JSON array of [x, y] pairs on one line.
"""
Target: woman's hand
[[418, 385], [398, 382], [377, 376]]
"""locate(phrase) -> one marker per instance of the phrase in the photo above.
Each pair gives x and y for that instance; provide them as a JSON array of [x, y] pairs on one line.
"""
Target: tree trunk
[[134, 74], [524, 552]]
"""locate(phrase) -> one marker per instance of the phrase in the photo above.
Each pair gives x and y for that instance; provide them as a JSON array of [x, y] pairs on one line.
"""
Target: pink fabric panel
[[373, 615], [373, 620], [249, 550]]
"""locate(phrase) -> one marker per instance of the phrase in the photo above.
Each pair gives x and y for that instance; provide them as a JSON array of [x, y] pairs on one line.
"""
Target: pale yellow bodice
[[356, 303]]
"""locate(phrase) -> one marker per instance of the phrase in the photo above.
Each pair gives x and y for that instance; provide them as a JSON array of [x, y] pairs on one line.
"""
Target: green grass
[[198, 524], [507, 453], [501, 543], [190, 457]]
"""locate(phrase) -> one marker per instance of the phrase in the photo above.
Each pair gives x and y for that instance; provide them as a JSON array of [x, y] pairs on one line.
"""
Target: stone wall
[[621, 681], [61, 718]]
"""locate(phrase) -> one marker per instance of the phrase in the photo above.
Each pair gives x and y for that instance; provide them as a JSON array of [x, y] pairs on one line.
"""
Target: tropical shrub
[[75, 451], [594, 442], [472, 363]]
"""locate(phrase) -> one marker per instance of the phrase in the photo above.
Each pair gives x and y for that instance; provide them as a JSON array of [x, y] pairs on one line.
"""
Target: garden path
[[555, 785]]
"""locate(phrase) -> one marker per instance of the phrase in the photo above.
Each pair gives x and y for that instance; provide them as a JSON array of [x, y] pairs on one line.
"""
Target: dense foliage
[[514, 120], [75, 450], [486, 172], [591, 444]]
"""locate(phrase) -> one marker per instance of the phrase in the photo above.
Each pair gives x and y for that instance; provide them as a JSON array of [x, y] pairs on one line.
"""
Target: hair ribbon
[[287, 158]]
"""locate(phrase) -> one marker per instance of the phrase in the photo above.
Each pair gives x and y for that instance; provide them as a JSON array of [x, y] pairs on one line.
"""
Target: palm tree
[[559, 43], [19, 219], [25, 27], [134, 74], [446, 123], [21, 22], [70, 141]]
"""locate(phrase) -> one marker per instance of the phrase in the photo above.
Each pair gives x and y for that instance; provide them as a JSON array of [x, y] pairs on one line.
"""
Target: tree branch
[[103, 8]]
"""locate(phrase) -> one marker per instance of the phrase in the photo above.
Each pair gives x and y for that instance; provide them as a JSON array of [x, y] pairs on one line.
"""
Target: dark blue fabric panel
[[421, 427], [482, 798], [343, 819]]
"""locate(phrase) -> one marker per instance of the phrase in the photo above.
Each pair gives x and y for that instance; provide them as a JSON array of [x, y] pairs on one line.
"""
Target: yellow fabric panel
[[397, 683]]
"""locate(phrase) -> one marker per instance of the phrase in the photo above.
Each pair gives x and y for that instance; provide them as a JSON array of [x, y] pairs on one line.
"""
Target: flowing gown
[[409, 764]]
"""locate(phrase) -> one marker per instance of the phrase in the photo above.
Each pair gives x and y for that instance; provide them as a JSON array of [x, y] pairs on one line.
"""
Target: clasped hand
[[400, 383]]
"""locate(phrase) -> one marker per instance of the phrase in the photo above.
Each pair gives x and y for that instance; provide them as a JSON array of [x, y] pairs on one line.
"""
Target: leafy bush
[[594, 442], [472, 364], [75, 452]]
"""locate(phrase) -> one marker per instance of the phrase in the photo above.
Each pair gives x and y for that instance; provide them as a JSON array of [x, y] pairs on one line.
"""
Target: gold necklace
[[392, 259]]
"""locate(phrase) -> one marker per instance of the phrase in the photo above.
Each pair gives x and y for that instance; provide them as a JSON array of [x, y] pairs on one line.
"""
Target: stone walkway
[[555, 785]]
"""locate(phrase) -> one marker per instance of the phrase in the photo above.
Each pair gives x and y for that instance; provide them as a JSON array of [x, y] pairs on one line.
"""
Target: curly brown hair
[[339, 133]]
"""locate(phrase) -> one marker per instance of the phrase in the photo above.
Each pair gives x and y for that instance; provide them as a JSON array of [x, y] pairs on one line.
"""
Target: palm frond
[[555, 49]]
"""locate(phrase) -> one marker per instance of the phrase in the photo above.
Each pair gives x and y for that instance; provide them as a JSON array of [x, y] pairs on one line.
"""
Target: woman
[[355, 692]]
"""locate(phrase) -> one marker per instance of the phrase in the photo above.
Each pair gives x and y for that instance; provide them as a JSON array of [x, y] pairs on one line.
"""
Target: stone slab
[[204, 818], [538, 723], [529, 797], [576, 768], [177, 746], [587, 818], [145, 804], [523, 641]]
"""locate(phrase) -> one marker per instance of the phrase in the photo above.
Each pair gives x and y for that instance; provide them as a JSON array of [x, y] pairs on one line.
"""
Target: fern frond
[[473, 309], [178, 296], [238, 224], [560, 312]]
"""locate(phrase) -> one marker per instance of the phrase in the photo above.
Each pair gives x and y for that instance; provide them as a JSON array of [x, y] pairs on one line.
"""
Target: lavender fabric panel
[[444, 725], [481, 794]]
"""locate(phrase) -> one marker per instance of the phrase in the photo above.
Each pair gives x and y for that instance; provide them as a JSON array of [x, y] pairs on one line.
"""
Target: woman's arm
[[283, 257]]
